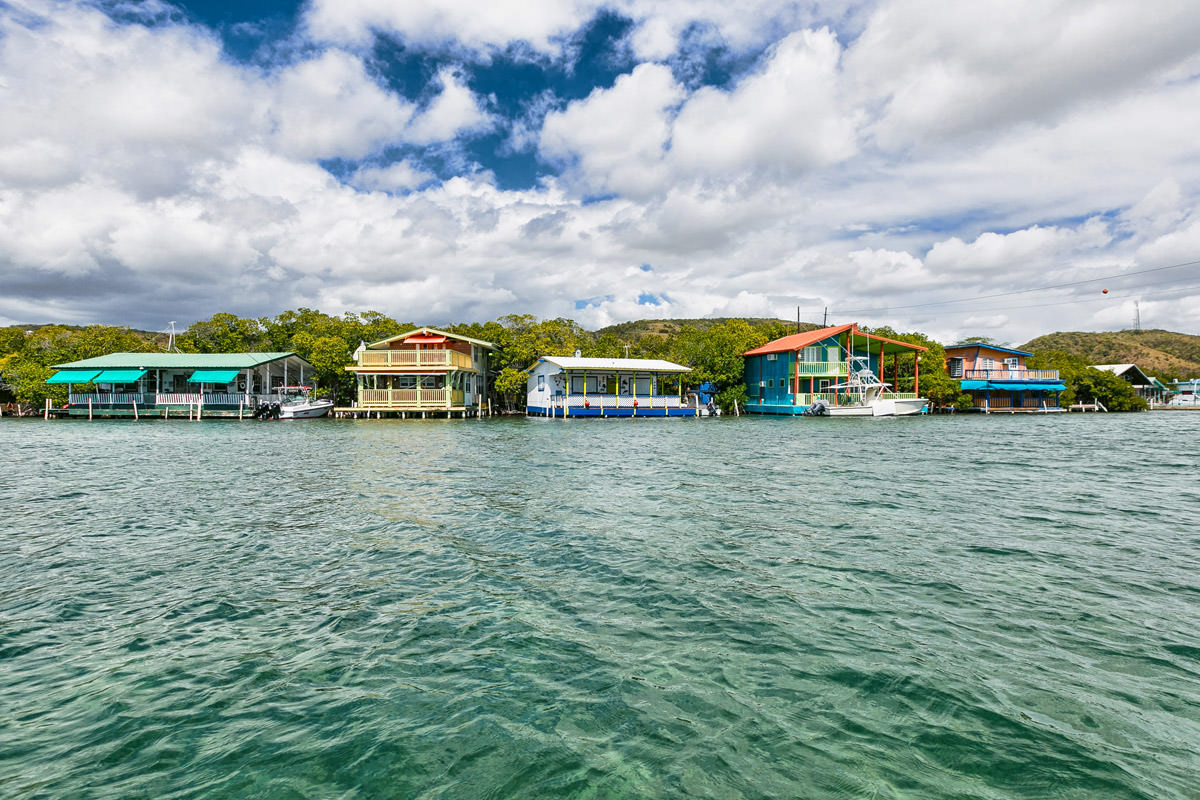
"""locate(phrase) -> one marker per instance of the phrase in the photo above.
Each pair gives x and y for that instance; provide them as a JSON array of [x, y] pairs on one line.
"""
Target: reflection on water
[[935, 607]]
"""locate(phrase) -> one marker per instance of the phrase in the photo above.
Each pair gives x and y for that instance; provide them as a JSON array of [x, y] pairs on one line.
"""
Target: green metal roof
[[178, 361]]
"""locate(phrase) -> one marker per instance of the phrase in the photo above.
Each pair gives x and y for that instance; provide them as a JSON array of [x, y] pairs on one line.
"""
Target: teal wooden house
[[788, 375]]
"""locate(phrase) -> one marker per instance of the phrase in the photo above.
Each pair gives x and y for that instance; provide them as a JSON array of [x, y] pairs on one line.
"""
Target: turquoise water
[[944, 607]]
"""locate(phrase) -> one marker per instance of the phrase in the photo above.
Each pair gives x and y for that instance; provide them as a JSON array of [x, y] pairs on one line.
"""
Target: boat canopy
[[213, 376], [73, 376]]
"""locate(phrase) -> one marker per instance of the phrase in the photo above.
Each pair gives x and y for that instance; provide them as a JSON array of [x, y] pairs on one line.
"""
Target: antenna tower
[[1137, 316]]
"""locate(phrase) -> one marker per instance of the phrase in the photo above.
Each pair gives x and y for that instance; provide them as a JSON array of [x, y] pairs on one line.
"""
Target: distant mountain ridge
[[1156, 352]]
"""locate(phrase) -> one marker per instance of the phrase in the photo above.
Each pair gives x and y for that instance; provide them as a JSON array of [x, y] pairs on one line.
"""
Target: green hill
[[1164, 354], [628, 331]]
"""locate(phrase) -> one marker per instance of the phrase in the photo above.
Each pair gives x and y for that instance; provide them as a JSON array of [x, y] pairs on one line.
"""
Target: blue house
[[787, 375]]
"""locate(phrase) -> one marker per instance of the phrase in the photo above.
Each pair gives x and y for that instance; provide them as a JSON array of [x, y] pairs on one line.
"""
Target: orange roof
[[798, 341]]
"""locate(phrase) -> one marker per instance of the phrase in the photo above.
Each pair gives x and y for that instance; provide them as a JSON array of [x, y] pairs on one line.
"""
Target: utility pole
[[1137, 316], [797, 319], [825, 322]]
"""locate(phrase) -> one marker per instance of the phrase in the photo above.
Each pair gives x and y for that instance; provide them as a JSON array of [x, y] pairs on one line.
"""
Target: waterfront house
[[999, 382], [1186, 393], [160, 384], [563, 386], [421, 371], [1148, 388], [789, 374]]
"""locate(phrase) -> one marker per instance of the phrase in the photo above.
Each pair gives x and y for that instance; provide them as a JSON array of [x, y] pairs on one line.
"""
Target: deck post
[[917, 373], [135, 416], [240, 404], [89, 408], [47, 409]]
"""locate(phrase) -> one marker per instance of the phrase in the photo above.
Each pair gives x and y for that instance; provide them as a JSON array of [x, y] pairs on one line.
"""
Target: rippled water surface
[[944, 607]]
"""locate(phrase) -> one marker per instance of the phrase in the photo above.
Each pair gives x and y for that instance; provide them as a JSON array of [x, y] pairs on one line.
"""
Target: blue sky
[[603, 161]]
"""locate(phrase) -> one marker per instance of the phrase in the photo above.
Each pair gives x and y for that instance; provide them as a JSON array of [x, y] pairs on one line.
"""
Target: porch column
[[896, 372], [881, 376], [917, 373], [285, 383]]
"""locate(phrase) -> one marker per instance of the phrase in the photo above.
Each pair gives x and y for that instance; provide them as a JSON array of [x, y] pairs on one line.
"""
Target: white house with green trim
[[216, 384]]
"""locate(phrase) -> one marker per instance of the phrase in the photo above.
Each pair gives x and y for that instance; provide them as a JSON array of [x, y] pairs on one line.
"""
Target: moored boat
[[297, 403], [864, 395]]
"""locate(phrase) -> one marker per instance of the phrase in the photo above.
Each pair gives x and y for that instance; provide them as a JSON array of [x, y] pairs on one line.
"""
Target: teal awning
[[213, 376], [119, 376], [73, 376], [1005, 386]]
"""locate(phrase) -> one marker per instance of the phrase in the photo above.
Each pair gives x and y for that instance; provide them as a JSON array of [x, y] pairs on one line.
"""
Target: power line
[[1118, 276], [1108, 298]]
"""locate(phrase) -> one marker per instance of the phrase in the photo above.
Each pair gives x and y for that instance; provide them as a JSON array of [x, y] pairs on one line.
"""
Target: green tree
[[223, 333], [1086, 384]]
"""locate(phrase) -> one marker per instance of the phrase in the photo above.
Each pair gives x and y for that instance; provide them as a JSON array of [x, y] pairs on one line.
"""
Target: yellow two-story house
[[422, 371]]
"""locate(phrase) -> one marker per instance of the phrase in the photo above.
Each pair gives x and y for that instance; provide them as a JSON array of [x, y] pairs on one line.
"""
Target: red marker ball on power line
[[1104, 291]]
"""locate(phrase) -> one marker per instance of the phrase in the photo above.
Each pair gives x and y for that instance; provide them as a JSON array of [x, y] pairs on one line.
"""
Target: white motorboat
[[297, 403], [866, 396]]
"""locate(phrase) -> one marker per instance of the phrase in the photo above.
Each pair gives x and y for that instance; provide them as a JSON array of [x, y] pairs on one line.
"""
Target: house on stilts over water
[[571, 387], [178, 384], [421, 372], [998, 381], [791, 374]]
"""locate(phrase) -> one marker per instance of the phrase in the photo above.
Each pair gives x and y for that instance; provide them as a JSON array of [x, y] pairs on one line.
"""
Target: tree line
[[328, 343]]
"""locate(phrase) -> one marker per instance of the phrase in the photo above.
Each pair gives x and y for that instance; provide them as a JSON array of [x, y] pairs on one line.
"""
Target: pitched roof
[[1121, 369], [434, 331], [982, 345], [798, 341], [178, 361], [614, 364]]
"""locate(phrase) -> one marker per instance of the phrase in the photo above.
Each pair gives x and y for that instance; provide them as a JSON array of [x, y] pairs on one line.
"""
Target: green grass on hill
[[1164, 354]]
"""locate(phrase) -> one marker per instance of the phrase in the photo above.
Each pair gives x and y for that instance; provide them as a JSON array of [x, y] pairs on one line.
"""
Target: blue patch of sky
[[247, 28], [650, 299], [588, 302], [646, 268]]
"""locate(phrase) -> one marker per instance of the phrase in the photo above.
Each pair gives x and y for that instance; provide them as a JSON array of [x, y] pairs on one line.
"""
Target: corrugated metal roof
[[616, 364], [406, 334], [798, 341], [178, 361], [967, 345]]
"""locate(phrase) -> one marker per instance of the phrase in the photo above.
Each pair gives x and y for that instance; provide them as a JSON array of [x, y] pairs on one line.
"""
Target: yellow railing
[[411, 398], [414, 358]]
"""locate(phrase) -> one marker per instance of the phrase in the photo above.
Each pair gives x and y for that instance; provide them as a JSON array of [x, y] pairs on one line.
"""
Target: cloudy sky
[[958, 168]]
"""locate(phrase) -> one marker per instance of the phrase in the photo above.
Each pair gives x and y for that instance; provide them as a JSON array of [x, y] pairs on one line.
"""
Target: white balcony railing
[[1010, 374]]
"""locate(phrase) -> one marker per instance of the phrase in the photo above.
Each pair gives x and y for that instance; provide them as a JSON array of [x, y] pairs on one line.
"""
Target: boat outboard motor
[[817, 409]]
